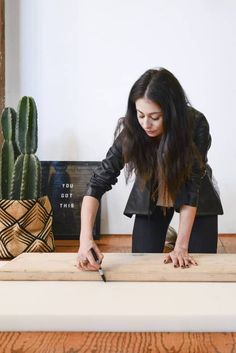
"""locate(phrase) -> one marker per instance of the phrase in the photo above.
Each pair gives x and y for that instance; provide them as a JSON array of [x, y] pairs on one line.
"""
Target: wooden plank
[[117, 342], [120, 267]]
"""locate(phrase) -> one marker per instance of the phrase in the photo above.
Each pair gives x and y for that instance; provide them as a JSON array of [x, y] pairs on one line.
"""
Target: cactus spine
[[9, 152], [27, 168]]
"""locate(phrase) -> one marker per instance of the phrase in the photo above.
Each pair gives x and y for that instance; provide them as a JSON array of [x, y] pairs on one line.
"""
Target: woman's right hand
[[85, 260]]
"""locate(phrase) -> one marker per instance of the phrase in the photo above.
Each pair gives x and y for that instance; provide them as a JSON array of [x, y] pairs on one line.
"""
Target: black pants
[[149, 233]]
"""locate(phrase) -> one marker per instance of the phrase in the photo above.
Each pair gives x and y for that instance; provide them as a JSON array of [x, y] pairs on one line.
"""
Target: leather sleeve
[[189, 194], [105, 175]]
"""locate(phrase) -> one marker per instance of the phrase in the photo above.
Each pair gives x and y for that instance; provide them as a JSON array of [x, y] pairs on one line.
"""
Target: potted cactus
[[25, 215]]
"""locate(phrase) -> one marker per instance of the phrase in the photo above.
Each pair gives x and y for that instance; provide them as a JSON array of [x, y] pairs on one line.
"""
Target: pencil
[[100, 270]]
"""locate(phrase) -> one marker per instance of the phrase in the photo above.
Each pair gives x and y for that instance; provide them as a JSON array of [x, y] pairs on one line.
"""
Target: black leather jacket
[[197, 191]]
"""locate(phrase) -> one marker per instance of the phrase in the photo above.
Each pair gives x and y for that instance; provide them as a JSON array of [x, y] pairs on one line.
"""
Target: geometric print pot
[[25, 226]]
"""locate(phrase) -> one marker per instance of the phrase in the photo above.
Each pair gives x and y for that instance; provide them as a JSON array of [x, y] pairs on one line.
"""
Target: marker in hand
[[100, 270]]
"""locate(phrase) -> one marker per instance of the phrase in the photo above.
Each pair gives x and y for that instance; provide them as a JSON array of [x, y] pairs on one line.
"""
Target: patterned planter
[[25, 226]]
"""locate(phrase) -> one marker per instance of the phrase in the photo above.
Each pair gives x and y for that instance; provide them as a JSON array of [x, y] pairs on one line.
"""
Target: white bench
[[136, 303]]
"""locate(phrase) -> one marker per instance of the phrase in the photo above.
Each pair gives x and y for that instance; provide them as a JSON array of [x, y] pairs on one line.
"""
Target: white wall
[[79, 59]]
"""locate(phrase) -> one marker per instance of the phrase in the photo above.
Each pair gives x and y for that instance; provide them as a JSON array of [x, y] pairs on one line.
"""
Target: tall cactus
[[27, 169], [9, 151]]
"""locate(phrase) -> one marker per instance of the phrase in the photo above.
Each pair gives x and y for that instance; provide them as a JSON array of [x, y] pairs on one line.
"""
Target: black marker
[[100, 270]]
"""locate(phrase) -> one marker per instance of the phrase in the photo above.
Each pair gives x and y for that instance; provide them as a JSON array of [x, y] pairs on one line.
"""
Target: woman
[[164, 141]]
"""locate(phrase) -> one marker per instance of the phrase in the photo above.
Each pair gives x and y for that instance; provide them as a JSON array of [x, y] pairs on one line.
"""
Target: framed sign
[[65, 183]]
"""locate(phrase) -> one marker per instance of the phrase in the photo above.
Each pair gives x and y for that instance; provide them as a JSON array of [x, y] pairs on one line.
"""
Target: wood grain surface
[[119, 267], [121, 342]]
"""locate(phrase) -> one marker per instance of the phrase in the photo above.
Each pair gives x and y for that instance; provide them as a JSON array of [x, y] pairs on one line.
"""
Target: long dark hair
[[167, 158]]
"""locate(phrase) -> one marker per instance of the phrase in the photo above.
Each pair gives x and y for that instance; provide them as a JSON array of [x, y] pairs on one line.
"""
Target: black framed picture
[[65, 183]]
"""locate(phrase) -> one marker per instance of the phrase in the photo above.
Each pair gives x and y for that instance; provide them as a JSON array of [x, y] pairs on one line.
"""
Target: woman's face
[[150, 116]]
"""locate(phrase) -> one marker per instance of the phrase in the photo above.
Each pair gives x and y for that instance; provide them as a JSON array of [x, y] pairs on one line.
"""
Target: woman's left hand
[[180, 257]]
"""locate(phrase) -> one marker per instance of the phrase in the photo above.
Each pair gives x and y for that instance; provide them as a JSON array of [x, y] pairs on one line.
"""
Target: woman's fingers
[[92, 260], [186, 262], [175, 261], [193, 261], [179, 260], [87, 260], [167, 259], [86, 266], [171, 258], [90, 267], [189, 260], [98, 252]]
